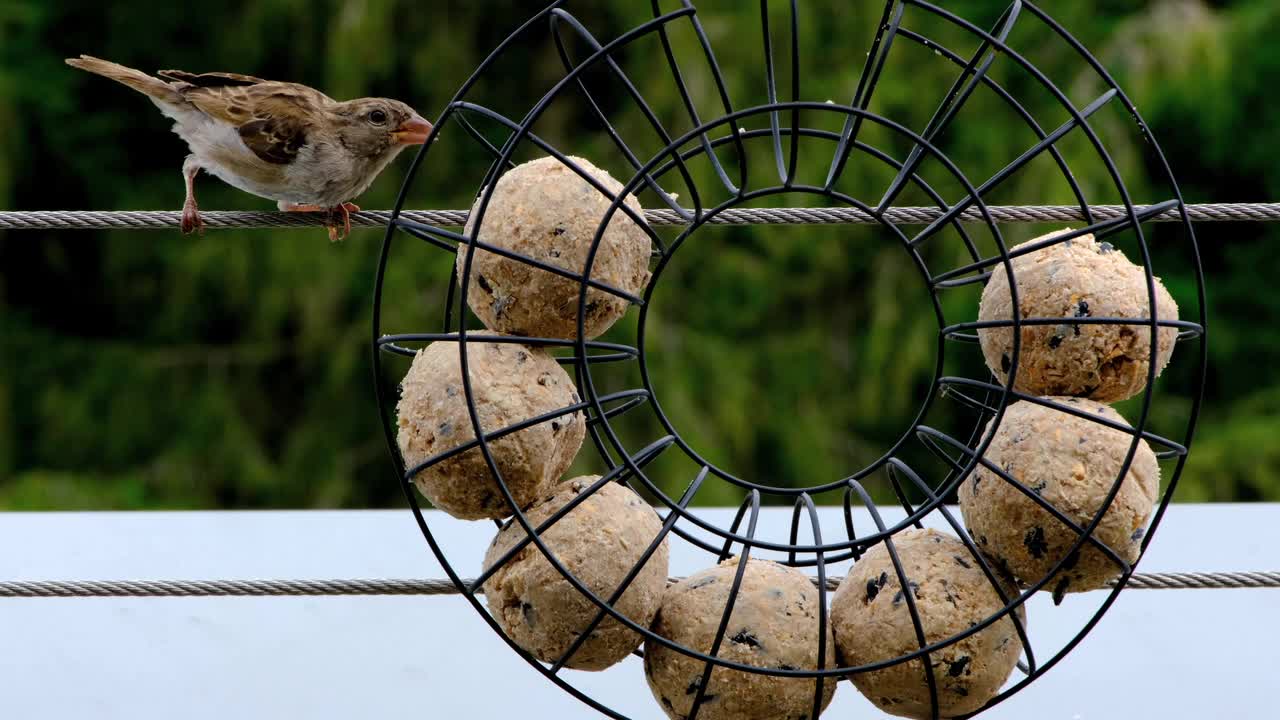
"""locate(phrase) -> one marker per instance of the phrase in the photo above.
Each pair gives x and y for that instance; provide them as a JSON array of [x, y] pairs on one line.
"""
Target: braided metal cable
[[221, 588], [1204, 580], [265, 588], [168, 219]]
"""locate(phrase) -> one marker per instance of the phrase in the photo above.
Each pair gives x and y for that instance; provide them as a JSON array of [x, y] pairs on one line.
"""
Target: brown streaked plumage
[[278, 140]]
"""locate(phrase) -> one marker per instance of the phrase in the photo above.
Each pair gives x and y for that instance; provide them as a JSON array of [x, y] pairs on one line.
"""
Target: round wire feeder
[[784, 127]]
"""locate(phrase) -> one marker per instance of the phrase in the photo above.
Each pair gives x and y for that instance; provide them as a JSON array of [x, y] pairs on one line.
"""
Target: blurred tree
[[152, 370]]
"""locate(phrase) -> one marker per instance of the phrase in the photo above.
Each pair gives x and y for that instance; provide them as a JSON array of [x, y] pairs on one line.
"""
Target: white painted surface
[[1158, 654]]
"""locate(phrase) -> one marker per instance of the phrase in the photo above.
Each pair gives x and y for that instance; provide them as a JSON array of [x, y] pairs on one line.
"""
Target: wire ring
[[986, 399]]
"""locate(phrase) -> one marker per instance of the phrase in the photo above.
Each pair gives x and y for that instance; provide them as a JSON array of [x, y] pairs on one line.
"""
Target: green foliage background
[[147, 369]]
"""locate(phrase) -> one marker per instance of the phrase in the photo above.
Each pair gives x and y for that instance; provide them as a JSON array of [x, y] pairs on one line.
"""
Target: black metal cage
[[721, 142]]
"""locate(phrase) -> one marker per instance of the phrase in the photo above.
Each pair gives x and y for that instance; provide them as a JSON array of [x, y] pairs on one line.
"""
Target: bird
[[279, 140]]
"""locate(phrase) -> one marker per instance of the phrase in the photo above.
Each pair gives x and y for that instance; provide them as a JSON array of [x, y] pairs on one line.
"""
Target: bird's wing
[[210, 79], [272, 117]]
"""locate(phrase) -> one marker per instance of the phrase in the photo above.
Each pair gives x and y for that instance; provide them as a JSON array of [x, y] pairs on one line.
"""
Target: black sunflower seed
[[1059, 334], [1082, 310], [874, 586], [898, 597], [1060, 590], [1035, 542], [872, 590]]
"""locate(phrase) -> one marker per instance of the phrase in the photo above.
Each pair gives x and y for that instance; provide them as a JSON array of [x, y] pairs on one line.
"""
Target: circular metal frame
[[985, 397]]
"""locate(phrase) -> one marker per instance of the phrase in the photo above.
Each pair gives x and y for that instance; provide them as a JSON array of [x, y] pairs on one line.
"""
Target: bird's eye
[[378, 117]]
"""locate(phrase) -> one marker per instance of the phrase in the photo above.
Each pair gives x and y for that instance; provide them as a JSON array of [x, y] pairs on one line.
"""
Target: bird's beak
[[413, 131]]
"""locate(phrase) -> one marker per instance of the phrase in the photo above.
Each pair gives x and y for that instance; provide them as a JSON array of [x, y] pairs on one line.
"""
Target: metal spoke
[[631, 575], [905, 583], [565, 160], [687, 99], [1010, 604], [514, 428], [645, 455], [876, 58], [1100, 231], [559, 15], [960, 91], [1014, 166], [752, 502]]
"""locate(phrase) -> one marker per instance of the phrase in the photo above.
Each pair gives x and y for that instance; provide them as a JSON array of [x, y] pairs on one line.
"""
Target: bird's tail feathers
[[153, 87]]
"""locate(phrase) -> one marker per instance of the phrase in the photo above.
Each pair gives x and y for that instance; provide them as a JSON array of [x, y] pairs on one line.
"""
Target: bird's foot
[[191, 221], [343, 211]]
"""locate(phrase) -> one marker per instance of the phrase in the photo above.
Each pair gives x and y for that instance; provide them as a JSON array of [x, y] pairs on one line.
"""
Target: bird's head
[[375, 128]]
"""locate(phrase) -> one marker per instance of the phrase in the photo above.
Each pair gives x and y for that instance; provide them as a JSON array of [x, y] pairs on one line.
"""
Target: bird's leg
[[292, 207], [344, 210], [190, 213]]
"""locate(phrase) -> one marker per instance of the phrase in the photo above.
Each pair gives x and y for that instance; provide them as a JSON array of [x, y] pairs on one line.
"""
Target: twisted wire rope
[[167, 219], [265, 588], [162, 219]]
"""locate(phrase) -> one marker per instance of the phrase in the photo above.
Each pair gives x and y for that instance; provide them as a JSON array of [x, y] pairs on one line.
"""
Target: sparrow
[[278, 140]]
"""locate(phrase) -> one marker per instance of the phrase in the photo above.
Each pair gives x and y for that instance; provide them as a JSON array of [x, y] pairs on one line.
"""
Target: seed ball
[[511, 384], [1076, 278], [774, 624], [599, 542], [546, 211], [1072, 463], [872, 623]]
